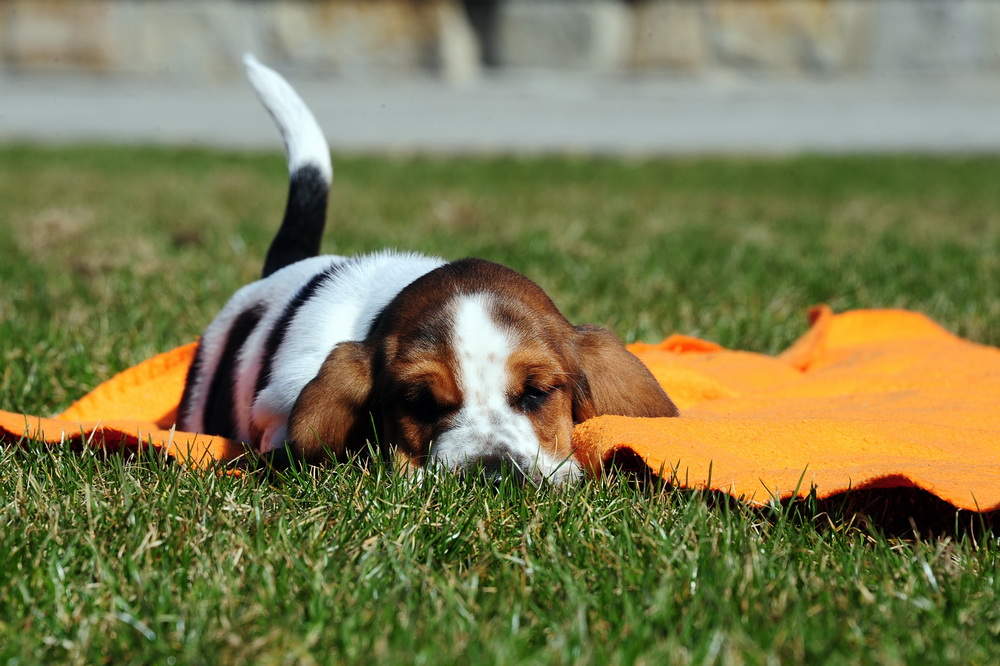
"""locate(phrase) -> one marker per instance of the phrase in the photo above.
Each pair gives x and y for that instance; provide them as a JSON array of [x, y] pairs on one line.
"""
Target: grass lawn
[[114, 254]]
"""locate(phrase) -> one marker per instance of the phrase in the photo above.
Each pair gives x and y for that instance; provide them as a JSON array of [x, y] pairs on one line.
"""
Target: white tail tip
[[305, 144]]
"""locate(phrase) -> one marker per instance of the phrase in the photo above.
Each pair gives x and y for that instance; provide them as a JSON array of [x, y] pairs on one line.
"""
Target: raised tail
[[309, 169]]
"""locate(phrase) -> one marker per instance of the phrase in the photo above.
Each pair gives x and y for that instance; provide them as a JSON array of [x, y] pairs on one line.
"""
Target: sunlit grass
[[114, 254]]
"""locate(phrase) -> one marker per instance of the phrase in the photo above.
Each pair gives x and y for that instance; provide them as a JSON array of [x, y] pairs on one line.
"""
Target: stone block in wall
[[991, 31], [41, 35], [785, 37], [357, 37], [184, 38], [669, 35], [565, 34], [934, 36], [346, 37]]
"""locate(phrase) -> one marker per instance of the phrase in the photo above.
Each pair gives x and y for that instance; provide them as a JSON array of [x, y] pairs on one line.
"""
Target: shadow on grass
[[901, 513]]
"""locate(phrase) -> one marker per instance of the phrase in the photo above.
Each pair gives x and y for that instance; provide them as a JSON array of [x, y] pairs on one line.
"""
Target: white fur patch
[[270, 295], [342, 309], [487, 424], [304, 140]]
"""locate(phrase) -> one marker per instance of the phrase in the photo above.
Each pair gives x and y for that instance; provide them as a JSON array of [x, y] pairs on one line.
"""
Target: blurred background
[[588, 76]]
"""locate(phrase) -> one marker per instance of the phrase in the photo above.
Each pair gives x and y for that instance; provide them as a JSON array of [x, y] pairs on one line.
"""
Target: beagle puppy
[[465, 365]]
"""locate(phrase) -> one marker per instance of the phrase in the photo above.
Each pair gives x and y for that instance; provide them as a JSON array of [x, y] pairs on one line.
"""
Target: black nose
[[494, 468]]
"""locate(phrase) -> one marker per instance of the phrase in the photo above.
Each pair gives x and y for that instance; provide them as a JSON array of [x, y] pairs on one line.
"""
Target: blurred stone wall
[[459, 39]]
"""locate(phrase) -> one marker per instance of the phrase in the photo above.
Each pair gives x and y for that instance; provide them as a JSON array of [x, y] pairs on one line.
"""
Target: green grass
[[114, 254]]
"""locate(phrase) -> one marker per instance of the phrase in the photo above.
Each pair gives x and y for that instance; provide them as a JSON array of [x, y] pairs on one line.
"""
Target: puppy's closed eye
[[420, 403], [534, 396]]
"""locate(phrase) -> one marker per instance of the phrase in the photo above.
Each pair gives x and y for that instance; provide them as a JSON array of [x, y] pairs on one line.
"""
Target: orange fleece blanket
[[864, 400]]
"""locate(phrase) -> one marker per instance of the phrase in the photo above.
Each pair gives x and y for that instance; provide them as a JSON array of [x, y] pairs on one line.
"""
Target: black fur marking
[[277, 334], [377, 321], [184, 409], [218, 418], [305, 216]]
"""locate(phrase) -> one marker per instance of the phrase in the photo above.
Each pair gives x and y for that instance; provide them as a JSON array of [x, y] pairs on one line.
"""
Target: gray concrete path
[[527, 113]]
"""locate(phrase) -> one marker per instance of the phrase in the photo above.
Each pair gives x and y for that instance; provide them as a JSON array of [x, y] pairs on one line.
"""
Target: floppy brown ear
[[331, 415], [613, 381]]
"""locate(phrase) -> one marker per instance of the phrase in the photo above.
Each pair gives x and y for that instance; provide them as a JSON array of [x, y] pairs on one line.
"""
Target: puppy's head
[[472, 368]]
